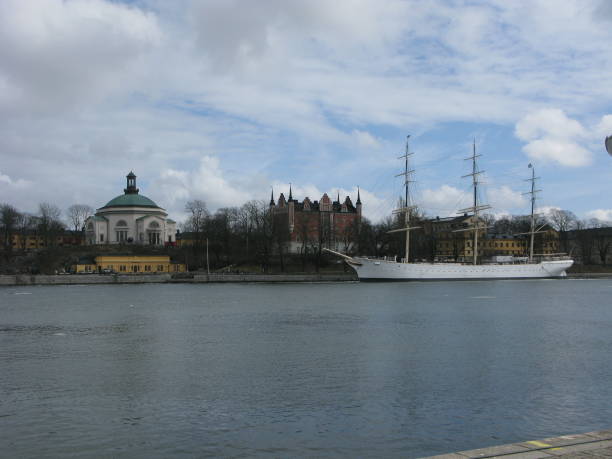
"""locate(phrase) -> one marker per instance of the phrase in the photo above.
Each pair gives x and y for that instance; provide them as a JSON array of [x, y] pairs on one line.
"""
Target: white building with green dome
[[130, 218]]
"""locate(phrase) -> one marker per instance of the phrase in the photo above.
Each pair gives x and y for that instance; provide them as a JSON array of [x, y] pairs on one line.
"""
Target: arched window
[[121, 223], [154, 224], [90, 226]]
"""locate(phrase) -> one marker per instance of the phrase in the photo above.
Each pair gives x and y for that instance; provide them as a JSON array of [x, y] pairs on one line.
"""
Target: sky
[[225, 100]]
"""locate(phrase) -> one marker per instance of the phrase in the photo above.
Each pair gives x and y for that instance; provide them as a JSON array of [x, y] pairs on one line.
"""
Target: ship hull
[[380, 270]]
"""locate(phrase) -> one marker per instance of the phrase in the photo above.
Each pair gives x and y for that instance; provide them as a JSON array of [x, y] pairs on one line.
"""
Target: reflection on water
[[300, 370]]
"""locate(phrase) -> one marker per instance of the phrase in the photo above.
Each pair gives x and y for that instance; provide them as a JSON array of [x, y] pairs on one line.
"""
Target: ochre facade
[[130, 264]]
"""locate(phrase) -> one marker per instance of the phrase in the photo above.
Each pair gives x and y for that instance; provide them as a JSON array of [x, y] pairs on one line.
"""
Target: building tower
[[291, 210], [131, 184]]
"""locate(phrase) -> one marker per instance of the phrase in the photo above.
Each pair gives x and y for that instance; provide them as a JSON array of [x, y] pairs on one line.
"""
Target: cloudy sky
[[221, 100]]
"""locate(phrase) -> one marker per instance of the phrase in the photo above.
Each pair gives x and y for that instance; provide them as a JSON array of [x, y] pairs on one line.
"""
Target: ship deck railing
[[514, 261]]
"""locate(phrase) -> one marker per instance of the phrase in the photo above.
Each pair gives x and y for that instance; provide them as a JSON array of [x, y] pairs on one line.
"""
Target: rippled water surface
[[380, 370]]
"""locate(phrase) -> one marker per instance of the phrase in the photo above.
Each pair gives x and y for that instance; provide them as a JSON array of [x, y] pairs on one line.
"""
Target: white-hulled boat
[[515, 268]]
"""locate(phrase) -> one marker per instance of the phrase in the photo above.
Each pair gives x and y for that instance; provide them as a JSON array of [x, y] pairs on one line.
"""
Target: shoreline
[[199, 278], [196, 278]]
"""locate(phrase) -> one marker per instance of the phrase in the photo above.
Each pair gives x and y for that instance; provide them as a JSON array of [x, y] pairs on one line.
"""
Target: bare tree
[[260, 224], [77, 214], [602, 238], [198, 224], [584, 237], [303, 229], [9, 217], [25, 223], [49, 223], [198, 214], [562, 221]]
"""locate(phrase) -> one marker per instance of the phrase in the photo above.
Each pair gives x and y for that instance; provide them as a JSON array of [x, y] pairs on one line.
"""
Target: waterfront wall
[[74, 279], [339, 277], [42, 279]]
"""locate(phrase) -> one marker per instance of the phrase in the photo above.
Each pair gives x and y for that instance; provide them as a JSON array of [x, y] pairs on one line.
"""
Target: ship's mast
[[407, 207], [475, 209], [406, 202], [475, 185], [533, 192]]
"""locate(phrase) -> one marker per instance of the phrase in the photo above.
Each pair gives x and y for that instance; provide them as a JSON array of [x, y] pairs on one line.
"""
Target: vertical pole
[[475, 183], [207, 265], [532, 214], [407, 215]]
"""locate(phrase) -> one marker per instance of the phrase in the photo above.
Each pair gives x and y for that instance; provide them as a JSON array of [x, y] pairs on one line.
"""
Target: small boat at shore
[[390, 269]]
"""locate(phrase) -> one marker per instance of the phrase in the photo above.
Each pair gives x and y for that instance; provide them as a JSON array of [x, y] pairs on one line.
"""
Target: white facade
[[130, 219]]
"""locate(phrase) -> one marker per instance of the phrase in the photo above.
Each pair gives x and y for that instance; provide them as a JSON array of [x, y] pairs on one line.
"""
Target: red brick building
[[324, 223]]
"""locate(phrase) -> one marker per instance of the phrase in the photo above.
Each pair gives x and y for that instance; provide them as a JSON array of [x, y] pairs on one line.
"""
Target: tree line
[[253, 235], [47, 223]]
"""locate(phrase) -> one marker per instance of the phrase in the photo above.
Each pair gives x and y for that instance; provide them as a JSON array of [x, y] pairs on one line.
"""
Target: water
[[334, 370]]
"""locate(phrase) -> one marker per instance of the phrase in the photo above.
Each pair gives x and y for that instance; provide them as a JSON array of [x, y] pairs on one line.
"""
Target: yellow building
[[133, 264], [505, 245], [33, 241], [453, 240]]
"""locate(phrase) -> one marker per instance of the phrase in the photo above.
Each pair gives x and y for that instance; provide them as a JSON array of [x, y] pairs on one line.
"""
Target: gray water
[[333, 370]]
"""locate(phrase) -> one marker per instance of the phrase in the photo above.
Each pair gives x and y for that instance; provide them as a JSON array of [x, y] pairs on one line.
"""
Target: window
[[147, 267], [101, 237], [121, 235], [122, 268], [121, 223], [160, 267]]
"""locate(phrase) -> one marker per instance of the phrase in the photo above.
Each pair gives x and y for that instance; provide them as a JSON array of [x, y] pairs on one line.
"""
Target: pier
[[587, 445]]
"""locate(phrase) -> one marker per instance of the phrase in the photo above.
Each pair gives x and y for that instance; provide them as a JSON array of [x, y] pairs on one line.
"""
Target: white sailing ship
[[511, 268]]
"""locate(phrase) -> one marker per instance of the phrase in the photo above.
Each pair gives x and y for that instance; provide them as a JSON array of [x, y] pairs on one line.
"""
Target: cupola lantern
[[131, 184]]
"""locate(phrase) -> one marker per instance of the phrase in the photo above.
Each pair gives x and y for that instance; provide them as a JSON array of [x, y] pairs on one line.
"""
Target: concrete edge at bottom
[[549, 447]]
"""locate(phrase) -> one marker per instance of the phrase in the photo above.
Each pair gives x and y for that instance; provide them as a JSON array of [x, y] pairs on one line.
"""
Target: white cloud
[[365, 140], [604, 127], [552, 136], [207, 183], [281, 90], [18, 184], [55, 53], [546, 211], [604, 215], [549, 122], [504, 198], [444, 201]]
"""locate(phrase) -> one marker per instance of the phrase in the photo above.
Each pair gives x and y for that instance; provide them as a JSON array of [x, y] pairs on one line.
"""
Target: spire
[[358, 197], [338, 196], [272, 197], [290, 195], [131, 184]]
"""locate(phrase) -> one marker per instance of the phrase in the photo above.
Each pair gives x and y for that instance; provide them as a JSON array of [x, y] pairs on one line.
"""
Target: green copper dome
[[130, 200]]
